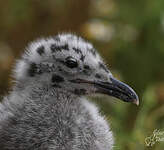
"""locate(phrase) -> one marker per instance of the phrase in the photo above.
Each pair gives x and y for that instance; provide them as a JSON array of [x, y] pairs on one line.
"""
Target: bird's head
[[67, 62]]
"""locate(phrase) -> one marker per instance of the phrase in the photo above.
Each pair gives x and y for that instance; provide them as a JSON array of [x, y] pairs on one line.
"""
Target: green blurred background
[[129, 34]]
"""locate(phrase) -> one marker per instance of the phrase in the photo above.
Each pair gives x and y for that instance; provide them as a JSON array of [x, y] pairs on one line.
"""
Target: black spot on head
[[102, 66], [40, 50], [65, 47], [32, 70], [55, 47], [98, 76], [60, 69], [80, 91], [82, 57], [78, 51], [86, 67], [93, 51], [57, 78]]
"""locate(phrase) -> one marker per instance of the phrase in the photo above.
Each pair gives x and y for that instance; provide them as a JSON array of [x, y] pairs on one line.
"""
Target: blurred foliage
[[128, 33]]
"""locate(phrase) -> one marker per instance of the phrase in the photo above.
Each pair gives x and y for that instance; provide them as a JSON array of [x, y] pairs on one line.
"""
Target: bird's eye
[[71, 62]]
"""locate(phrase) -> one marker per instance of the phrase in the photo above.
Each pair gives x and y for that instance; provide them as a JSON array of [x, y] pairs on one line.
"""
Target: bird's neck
[[44, 92]]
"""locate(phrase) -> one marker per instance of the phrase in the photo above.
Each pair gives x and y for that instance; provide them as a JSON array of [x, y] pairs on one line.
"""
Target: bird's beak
[[117, 89]]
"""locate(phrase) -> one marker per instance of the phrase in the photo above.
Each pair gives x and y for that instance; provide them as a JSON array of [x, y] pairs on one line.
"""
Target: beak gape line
[[115, 88]]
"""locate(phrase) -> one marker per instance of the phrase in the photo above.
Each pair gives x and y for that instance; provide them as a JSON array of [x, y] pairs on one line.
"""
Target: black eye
[[71, 62]]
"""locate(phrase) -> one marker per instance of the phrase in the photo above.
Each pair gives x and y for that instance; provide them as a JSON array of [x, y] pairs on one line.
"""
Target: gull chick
[[47, 108]]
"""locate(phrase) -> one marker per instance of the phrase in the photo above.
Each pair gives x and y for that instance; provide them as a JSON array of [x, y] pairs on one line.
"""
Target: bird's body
[[53, 122], [47, 108]]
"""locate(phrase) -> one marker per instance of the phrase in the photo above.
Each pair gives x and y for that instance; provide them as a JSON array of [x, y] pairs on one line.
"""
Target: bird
[[47, 107]]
